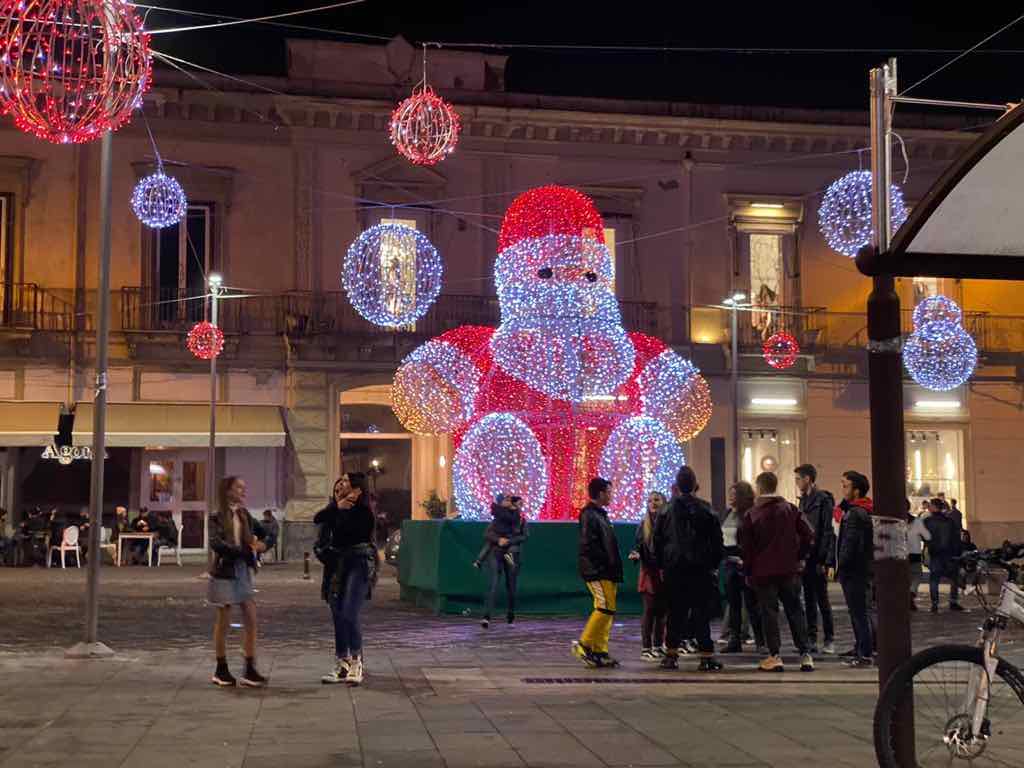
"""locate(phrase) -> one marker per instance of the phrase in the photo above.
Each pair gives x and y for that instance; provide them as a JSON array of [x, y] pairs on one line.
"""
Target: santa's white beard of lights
[[561, 331]]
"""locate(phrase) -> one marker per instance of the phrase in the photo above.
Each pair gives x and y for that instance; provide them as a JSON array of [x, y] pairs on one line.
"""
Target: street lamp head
[[739, 296], [214, 279], [728, 301]]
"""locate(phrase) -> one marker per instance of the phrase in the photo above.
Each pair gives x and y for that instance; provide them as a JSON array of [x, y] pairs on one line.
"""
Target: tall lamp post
[[735, 303], [215, 283]]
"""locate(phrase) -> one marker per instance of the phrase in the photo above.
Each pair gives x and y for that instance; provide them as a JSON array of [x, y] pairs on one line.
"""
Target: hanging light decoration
[[499, 454], [781, 350], [205, 340], [844, 216], [71, 70], [424, 128], [159, 201], [939, 355], [392, 275], [640, 456]]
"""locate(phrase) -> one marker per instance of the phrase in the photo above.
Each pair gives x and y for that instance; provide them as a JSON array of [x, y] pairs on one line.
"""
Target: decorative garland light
[[205, 340], [499, 454], [425, 128], [939, 355], [392, 274], [781, 350], [435, 389], [70, 70], [673, 391], [159, 201], [844, 216], [641, 456]]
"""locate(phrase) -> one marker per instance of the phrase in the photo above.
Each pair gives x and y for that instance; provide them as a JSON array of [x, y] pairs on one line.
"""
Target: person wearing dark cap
[[600, 566]]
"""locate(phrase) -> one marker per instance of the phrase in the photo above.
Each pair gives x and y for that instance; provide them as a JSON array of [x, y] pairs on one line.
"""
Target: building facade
[[699, 202]]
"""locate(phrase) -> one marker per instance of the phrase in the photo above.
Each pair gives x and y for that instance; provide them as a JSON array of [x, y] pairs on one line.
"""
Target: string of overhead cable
[[265, 22], [256, 20]]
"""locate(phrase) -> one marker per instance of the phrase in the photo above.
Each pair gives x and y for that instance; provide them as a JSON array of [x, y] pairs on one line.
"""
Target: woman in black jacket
[[345, 547], [235, 540]]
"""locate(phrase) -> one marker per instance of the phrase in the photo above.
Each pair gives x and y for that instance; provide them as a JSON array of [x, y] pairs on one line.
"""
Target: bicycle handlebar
[[999, 556]]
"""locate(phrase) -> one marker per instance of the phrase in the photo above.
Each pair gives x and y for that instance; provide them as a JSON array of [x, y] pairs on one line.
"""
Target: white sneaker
[[338, 675], [829, 649], [355, 672], [649, 655]]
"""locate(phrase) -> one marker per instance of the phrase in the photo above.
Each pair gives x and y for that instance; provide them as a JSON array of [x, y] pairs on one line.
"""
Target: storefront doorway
[[175, 482], [775, 448], [935, 464]]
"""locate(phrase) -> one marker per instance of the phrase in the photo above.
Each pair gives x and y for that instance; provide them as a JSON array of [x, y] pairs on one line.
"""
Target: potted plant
[[436, 507]]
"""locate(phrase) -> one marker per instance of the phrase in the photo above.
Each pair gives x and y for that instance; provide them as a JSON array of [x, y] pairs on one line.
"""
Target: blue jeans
[[856, 591], [499, 566], [938, 569], [347, 605]]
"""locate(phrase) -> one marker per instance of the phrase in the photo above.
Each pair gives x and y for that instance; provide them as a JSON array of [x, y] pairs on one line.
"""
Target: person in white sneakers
[[345, 547]]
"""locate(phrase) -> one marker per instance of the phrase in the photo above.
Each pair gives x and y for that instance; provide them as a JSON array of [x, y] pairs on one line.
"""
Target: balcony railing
[[300, 314], [26, 305]]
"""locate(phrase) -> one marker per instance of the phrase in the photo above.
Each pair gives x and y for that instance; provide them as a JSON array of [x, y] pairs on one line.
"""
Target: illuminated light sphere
[[159, 201], [425, 128], [937, 308], [844, 216], [205, 340], [392, 275], [70, 70], [781, 350], [550, 210], [942, 361], [673, 391], [640, 456], [435, 389], [499, 454]]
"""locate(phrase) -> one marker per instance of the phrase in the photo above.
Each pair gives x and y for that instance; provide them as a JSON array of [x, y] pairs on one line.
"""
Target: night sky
[[832, 79]]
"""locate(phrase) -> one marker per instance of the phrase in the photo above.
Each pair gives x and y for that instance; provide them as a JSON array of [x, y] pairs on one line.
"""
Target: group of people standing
[[769, 552]]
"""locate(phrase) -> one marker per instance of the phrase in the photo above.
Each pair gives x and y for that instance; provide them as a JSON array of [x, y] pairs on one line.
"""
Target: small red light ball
[[425, 128], [205, 340], [781, 350]]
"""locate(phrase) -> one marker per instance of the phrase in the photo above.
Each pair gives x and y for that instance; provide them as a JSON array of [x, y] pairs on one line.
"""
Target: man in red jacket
[[775, 540]]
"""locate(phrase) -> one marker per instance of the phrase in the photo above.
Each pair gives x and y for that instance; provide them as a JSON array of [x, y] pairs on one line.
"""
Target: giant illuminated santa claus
[[559, 392]]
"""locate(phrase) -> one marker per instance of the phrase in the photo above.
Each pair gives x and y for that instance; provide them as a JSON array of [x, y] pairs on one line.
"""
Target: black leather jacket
[[599, 558], [225, 553]]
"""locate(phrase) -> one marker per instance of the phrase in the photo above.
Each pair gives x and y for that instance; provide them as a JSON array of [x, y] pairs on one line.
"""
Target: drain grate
[[674, 680]]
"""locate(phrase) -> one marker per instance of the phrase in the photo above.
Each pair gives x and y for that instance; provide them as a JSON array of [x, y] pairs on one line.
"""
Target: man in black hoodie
[[502, 541], [600, 566], [816, 506], [688, 546]]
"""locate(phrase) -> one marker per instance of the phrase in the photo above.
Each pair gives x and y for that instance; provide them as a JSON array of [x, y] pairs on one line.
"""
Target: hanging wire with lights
[[424, 128], [939, 355], [844, 216], [781, 350], [70, 70], [205, 340], [392, 275]]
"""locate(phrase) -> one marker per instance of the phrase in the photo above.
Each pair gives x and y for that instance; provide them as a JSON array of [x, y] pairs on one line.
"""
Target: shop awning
[[139, 425], [28, 424], [968, 225]]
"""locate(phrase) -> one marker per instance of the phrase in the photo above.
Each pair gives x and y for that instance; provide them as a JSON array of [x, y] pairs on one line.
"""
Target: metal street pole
[[888, 460], [91, 646], [214, 282], [735, 375]]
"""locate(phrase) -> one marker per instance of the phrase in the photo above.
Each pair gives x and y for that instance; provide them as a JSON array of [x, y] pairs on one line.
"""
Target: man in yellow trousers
[[600, 566]]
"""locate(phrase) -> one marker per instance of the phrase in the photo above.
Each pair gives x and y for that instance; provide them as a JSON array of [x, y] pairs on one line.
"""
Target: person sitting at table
[[30, 539], [143, 523], [84, 523], [166, 533]]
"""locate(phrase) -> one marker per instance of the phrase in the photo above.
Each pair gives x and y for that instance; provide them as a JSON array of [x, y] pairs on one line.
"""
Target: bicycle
[[958, 691]]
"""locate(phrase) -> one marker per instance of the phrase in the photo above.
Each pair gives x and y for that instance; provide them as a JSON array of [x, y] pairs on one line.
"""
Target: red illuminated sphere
[[781, 350], [550, 210], [205, 340], [71, 70], [425, 127]]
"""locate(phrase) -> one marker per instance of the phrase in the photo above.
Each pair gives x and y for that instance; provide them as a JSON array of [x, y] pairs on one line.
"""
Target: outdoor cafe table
[[149, 538]]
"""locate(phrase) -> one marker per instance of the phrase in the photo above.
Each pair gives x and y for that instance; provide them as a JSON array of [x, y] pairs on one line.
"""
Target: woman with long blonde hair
[[235, 540], [649, 582]]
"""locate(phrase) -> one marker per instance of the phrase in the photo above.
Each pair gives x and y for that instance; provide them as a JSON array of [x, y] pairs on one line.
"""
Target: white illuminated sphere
[[641, 456], [844, 216], [942, 360], [159, 201]]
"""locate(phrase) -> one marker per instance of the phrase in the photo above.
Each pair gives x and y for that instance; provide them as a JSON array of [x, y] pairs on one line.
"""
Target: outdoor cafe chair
[[68, 543]]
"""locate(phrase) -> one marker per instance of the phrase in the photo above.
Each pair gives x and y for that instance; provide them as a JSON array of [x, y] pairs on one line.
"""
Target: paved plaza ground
[[439, 691]]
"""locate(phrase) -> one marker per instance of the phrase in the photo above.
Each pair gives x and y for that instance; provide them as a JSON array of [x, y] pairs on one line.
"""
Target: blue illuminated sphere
[[942, 360], [937, 308], [641, 456], [499, 455], [392, 275], [844, 216], [159, 201]]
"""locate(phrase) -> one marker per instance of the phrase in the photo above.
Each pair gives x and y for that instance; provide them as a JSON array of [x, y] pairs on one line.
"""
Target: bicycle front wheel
[[936, 682]]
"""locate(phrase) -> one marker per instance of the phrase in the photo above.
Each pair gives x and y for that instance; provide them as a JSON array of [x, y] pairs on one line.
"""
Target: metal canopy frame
[[898, 262]]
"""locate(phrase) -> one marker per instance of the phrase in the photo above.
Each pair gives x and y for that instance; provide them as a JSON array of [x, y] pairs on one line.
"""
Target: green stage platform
[[436, 572]]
